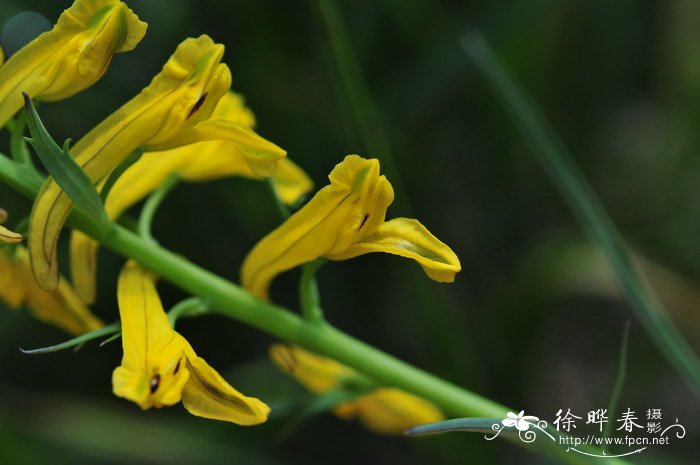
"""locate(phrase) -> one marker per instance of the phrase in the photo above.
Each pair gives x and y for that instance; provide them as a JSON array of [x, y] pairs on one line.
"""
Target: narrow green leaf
[[113, 337], [77, 341], [63, 168], [475, 425], [551, 152]]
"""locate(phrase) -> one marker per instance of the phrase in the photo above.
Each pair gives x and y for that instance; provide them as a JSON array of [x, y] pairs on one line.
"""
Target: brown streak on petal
[[218, 395], [364, 220], [197, 105]]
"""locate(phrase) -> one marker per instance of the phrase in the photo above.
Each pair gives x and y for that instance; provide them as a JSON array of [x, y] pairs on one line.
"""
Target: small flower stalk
[[344, 220]]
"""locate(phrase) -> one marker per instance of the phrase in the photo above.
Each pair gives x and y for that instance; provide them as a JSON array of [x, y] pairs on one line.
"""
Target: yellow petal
[[338, 215], [393, 411], [260, 154], [71, 56], [83, 265], [8, 236], [208, 395], [408, 238], [318, 374], [192, 163], [232, 107], [153, 370], [291, 182], [2, 56], [61, 308], [177, 95], [12, 291]]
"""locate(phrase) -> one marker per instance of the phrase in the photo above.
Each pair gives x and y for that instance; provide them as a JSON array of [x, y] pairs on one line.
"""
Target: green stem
[[563, 171], [309, 297], [282, 208], [232, 301], [150, 207], [189, 307], [18, 146]]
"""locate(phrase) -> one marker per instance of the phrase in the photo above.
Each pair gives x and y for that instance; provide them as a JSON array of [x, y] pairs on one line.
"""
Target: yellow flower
[[61, 308], [201, 161], [343, 220], [160, 367], [384, 410], [70, 57], [174, 110]]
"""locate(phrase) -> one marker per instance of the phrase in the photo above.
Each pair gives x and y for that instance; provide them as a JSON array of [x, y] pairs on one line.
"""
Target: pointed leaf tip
[[63, 168]]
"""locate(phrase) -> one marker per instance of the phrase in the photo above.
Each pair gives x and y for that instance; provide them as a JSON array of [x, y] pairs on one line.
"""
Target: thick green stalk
[[562, 169], [235, 302]]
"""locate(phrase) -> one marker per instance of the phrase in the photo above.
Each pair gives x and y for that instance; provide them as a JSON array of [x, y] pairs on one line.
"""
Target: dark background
[[533, 321]]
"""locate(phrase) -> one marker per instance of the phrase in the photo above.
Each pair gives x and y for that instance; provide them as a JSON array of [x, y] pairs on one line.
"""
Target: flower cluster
[[188, 124], [383, 410]]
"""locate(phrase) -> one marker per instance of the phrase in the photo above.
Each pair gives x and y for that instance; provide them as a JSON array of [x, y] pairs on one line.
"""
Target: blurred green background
[[535, 318]]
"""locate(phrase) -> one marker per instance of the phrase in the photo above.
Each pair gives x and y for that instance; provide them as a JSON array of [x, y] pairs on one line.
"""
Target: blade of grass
[[365, 113], [552, 154], [619, 381]]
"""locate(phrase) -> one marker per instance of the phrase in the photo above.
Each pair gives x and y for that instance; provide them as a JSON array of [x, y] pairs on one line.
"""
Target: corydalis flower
[[174, 110], [160, 367], [344, 220], [70, 57], [201, 161], [520, 421], [384, 410], [61, 308]]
